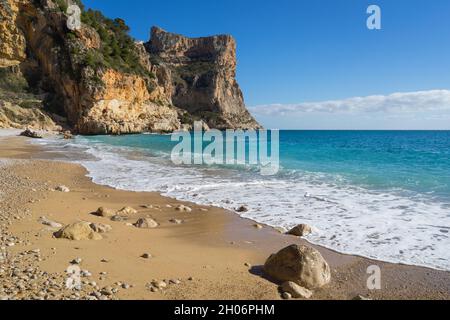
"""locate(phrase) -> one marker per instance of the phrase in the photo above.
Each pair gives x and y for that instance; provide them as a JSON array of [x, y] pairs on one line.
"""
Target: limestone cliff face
[[203, 72], [17, 117], [124, 105], [12, 41], [86, 76], [95, 100]]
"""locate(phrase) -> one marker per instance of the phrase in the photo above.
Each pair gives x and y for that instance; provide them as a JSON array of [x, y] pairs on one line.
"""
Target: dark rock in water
[[146, 223], [68, 135], [31, 134], [242, 209]]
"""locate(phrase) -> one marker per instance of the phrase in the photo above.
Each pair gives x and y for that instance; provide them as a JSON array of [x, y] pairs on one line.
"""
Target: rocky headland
[[98, 80]]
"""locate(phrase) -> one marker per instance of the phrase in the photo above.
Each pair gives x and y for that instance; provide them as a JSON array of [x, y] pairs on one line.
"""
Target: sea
[[379, 194]]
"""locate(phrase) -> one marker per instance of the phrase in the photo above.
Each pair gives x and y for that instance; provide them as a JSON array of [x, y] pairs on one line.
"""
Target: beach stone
[[146, 223], [76, 261], [295, 290], [100, 227], [300, 264], [159, 284], [126, 211], [242, 209], [67, 135], [286, 296], [118, 218], [146, 256], [62, 189], [302, 230], [78, 231], [107, 291], [30, 134], [183, 208], [176, 221], [258, 226], [280, 230], [50, 223], [105, 212]]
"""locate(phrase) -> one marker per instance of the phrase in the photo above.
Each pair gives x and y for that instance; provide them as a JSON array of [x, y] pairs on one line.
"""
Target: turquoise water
[[380, 194]]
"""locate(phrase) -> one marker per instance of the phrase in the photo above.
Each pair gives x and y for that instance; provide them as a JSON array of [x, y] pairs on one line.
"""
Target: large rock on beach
[[78, 231], [302, 265]]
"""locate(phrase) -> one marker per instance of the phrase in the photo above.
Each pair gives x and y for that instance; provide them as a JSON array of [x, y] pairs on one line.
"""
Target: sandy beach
[[209, 253]]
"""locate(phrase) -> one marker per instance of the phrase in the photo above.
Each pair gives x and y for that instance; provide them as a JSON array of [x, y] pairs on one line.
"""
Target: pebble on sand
[[50, 223], [126, 211], [295, 290], [62, 188], [183, 208]]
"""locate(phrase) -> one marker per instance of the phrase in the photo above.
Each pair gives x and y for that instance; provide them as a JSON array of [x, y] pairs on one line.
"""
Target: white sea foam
[[394, 226]]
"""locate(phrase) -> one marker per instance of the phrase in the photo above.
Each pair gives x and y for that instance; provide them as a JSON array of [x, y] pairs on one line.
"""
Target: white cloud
[[396, 103]]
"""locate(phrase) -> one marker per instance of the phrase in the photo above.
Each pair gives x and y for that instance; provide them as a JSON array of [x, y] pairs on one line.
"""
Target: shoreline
[[213, 247]]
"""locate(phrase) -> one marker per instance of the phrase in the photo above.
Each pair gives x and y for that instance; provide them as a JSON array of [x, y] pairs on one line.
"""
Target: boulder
[[78, 231], [302, 265], [146, 223], [105, 212], [302, 230], [100, 227], [295, 290]]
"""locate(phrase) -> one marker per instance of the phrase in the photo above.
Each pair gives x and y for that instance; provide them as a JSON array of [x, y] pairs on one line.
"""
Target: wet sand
[[214, 253]]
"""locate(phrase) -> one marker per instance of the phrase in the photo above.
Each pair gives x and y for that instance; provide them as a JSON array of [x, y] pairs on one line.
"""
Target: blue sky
[[297, 52]]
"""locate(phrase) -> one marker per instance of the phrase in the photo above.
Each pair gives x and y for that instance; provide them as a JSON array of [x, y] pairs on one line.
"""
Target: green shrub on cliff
[[12, 81], [117, 50]]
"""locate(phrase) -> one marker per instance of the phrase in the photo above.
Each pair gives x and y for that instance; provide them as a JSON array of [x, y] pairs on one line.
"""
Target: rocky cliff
[[105, 83], [203, 72]]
